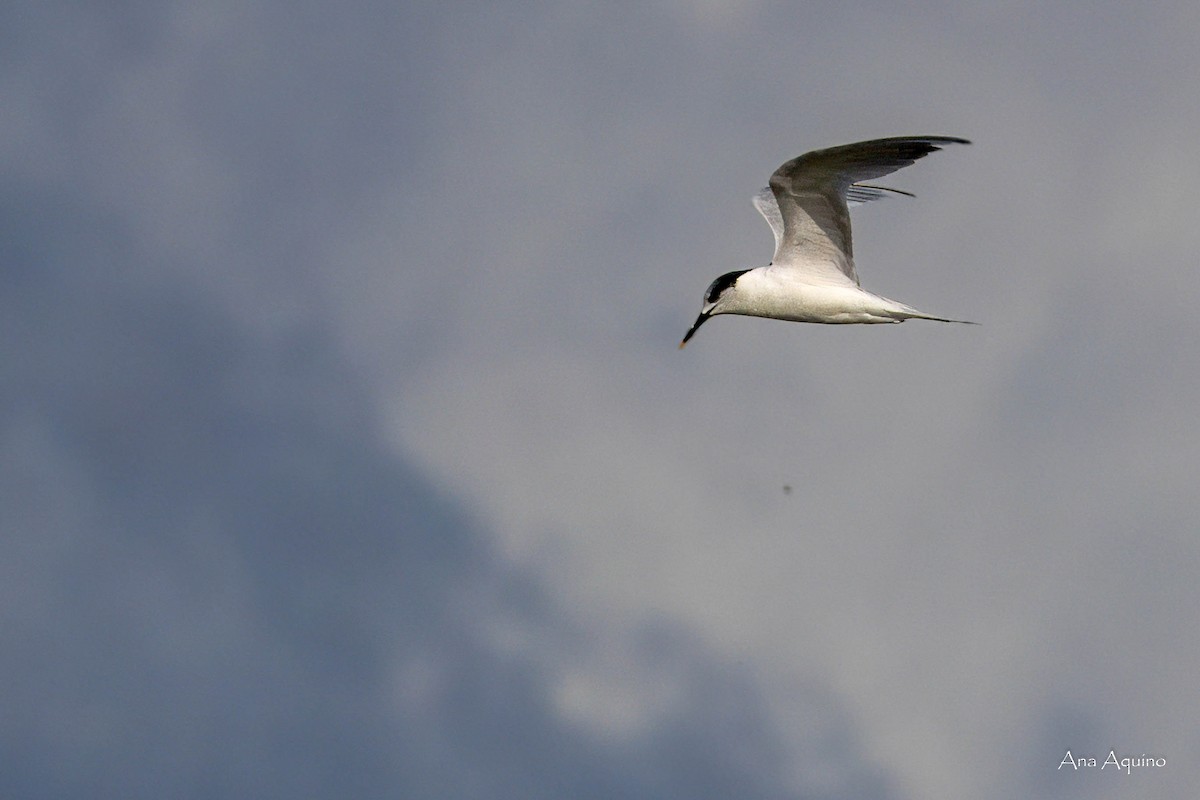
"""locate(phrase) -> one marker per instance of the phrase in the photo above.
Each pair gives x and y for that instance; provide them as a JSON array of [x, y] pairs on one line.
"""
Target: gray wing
[[811, 193], [764, 201], [857, 194]]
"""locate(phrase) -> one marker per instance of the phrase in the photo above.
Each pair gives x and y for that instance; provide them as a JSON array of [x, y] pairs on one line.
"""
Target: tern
[[811, 277]]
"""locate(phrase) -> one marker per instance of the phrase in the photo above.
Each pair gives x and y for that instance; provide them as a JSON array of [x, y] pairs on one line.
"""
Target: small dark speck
[[787, 489]]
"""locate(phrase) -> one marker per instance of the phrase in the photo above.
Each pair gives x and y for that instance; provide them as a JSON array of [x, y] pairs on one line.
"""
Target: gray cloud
[[218, 582], [345, 447]]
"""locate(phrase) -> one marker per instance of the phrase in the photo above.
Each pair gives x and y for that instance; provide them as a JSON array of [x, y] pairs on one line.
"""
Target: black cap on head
[[721, 284], [711, 295]]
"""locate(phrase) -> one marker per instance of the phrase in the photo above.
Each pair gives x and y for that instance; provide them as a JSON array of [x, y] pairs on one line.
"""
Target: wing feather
[[811, 193], [857, 194]]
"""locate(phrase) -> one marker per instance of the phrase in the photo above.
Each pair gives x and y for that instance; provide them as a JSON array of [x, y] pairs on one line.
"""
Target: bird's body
[[812, 277], [764, 292]]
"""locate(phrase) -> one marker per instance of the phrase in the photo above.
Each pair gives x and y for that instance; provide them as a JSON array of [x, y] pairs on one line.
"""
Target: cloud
[[218, 581], [351, 452]]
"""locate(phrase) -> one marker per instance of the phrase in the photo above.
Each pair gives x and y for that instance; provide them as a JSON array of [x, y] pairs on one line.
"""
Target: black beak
[[695, 327]]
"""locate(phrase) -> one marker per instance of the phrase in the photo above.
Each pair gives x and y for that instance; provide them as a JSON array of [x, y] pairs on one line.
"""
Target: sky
[[346, 451]]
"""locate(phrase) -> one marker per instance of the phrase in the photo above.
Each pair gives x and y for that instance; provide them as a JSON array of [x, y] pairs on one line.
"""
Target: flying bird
[[811, 277]]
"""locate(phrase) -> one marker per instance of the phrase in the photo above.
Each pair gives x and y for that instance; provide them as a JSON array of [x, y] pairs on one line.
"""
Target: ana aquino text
[[1126, 764]]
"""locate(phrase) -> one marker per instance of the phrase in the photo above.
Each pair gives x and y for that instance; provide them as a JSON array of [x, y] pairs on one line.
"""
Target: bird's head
[[716, 301]]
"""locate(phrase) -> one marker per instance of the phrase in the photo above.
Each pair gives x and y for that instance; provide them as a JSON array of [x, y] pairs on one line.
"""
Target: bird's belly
[[831, 305]]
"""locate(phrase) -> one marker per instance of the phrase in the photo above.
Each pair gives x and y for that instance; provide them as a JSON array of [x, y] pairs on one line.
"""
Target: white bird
[[811, 278]]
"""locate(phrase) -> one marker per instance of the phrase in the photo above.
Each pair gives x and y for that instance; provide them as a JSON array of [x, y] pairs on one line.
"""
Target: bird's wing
[[764, 201], [857, 194], [811, 193], [860, 193]]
